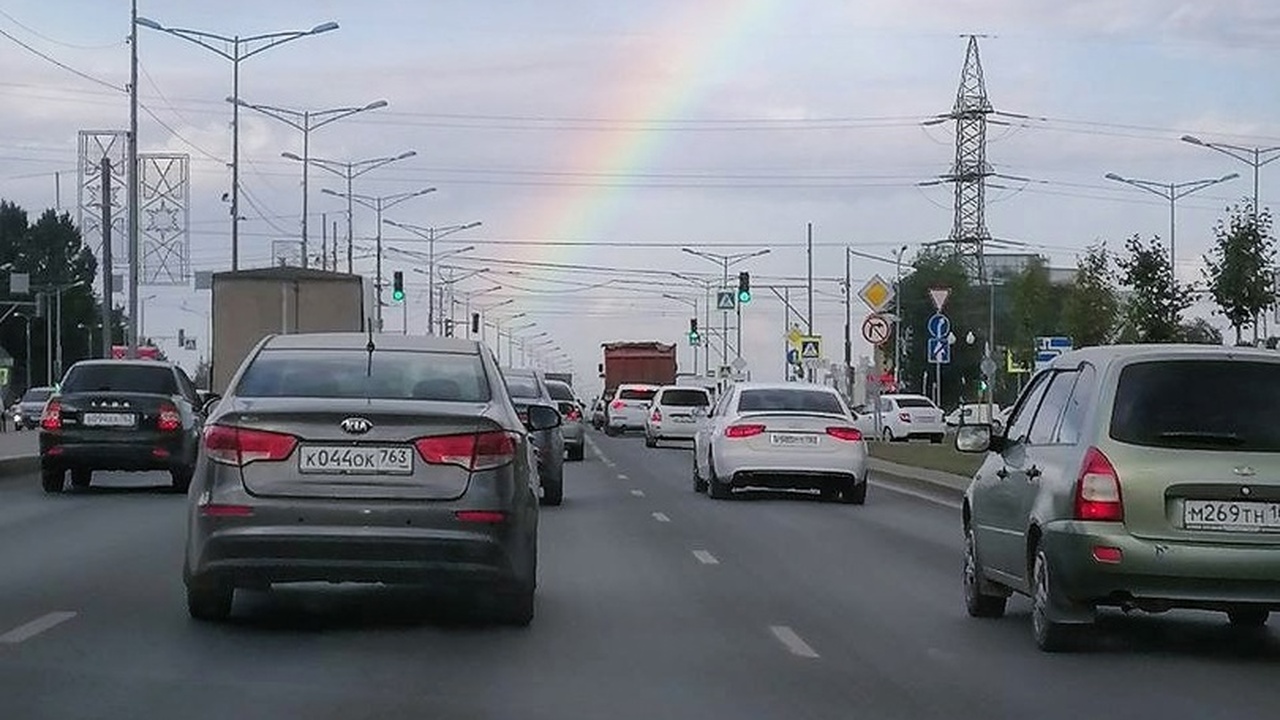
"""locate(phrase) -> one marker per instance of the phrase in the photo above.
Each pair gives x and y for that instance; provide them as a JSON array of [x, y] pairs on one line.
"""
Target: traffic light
[[475, 323], [693, 331], [182, 337], [397, 286], [744, 287], [448, 327]]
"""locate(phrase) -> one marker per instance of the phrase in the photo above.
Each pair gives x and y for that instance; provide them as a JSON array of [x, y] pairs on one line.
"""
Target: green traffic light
[[744, 296], [398, 295]]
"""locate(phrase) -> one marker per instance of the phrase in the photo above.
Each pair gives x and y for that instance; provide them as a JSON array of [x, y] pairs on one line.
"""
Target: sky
[[595, 140]]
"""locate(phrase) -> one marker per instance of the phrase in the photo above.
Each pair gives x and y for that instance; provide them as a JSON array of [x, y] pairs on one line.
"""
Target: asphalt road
[[654, 602]]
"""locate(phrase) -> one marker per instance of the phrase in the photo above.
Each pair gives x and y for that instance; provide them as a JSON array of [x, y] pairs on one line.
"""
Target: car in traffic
[[599, 413], [29, 408], [529, 387], [123, 415], [910, 417], [349, 458], [675, 413], [972, 414], [797, 436], [1144, 477], [629, 408], [573, 428]]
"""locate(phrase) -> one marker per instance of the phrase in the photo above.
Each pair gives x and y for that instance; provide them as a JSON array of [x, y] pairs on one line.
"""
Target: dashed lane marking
[[638, 493], [705, 557], [661, 517], [22, 633], [792, 642], [623, 477]]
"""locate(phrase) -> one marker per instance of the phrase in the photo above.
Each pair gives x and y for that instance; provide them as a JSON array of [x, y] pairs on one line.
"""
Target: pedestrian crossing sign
[[810, 347]]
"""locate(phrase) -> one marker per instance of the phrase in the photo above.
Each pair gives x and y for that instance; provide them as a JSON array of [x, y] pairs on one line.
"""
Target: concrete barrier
[[19, 453]]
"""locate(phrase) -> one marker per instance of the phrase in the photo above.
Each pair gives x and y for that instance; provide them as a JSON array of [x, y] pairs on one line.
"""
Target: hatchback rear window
[[387, 375], [684, 398], [37, 395], [789, 401], [560, 391], [523, 386], [1199, 404], [915, 403], [123, 377], [636, 394]]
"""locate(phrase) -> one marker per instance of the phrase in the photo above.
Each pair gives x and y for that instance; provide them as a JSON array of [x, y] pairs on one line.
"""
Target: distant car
[[131, 415], [629, 408], [571, 411], [676, 413], [27, 411], [907, 417], [404, 463], [781, 435], [1143, 477], [971, 414], [529, 387]]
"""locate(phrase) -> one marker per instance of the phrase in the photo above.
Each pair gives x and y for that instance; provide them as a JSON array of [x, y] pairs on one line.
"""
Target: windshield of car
[[523, 386], [120, 377], [912, 402], [637, 393], [1226, 405], [560, 391], [786, 400], [684, 398], [37, 395], [389, 374]]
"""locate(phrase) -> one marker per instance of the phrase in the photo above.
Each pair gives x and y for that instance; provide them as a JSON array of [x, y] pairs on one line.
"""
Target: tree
[[1153, 310], [1035, 310], [1199, 332], [1092, 306], [1238, 267]]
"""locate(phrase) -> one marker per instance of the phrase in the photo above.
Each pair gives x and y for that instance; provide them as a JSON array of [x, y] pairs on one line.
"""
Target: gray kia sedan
[[377, 459]]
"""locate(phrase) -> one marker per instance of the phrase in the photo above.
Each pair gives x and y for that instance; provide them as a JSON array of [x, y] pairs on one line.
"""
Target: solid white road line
[[705, 557], [661, 517], [793, 642], [25, 632], [915, 494], [638, 493]]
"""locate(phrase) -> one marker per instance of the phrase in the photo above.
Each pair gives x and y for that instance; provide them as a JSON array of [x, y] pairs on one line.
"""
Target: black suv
[[132, 415]]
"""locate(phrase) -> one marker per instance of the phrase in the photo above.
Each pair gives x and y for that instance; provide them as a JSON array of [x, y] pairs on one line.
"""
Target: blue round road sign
[[939, 326]]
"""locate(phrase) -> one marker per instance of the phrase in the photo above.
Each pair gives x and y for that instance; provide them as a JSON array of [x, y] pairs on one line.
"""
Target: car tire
[[937, 439], [514, 608], [854, 493], [978, 603], [52, 481], [650, 441], [1050, 636], [717, 490], [180, 479], [553, 492], [209, 599], [699, 485], [81, 478], [886, 435], [610, 431], [577, 453], [1248, 617]]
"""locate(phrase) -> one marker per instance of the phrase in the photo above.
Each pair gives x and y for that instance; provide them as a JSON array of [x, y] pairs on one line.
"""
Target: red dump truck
[[653, 363]]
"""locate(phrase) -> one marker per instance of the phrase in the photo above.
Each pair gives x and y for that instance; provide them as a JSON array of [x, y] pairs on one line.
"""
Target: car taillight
[[473, 451], [219, 510], [657, 415], [487, 517], [845, 433], [743, 431], [51, 418], [617, 404], [239, 446], [904, 417], [1098, 489], [574, 414], [169, 419]]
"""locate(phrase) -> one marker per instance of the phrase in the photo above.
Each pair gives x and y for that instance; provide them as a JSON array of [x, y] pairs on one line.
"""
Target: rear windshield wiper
[[1226, 439]]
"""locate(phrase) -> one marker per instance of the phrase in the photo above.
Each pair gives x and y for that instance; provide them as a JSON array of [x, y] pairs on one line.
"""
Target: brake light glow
[[1108, 555], [904, 416], [657, 415], [574, 414], [51, 418], [840, 432], [217, 510], [617, 404], [472, 451], [488, 517], [743, 431], [239, 446], [169, 419], [1098, 489]]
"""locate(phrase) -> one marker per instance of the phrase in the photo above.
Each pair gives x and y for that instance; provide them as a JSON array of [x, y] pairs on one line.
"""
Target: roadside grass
[[944, 457]]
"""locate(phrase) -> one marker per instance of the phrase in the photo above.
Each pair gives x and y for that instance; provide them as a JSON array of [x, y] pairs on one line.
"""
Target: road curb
[[936, 481]]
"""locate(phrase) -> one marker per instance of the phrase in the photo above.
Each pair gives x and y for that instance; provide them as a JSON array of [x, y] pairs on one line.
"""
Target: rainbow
[[705, 40]]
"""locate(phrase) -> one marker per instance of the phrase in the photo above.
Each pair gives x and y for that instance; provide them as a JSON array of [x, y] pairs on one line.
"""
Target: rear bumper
[[573, 434], [167, 453], [1159, 575], [794, 479], [672, 430]]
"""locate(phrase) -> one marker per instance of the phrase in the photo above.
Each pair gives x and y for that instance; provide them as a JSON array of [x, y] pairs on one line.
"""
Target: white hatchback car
[[676, 413], [629, 408], [903, 417], [781, 435]]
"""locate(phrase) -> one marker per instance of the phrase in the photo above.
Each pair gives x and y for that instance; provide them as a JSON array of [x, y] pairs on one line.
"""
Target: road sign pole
[[937, 383]]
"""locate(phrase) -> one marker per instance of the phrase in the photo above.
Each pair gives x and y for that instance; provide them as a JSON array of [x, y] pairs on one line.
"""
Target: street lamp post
[[1173, 192], [725, 261], [431, 234], [449, 284], [379, 203], [236, 49], [484, 312], [1254, 157], [305, 121], [497, 333], [349, 171]]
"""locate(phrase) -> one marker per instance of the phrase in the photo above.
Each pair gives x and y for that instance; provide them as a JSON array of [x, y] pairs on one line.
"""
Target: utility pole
[[848, 321], [809, 243], [134, 180], [108, 282]]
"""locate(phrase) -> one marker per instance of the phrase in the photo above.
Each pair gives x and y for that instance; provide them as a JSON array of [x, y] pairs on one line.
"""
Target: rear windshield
[[523, 386], [637, 393], [125, 377], [685, 398], [1199, 404], [789, 401], [914, 403], [37, 395], [560, 391], [389, 375]]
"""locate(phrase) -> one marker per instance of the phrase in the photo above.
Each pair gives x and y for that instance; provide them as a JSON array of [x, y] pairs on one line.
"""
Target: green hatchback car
[[1134, 476]]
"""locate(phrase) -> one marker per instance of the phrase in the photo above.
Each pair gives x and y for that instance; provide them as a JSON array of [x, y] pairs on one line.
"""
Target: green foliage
[[1200, 332], [1238, 266], [1035, 307], [1153, 311], [1092, 306]]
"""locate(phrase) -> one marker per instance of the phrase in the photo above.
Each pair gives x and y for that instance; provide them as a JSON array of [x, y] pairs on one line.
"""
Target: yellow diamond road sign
[[877, 294], [794, 337]]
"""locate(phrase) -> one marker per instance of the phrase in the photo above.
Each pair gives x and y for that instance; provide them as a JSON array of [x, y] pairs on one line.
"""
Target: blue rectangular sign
[[939, 351]]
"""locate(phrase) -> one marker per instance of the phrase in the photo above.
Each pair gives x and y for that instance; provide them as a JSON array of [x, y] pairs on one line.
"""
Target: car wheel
[[650, 441], [81, 477], [52, 480], [1050, 636], [978, 603], [887, 435], [854, 493], [699, 485], [1248, 617], [577, 453], [716, 489], [514, 608], [209, 599], [180, 478], [937, 439], [553, 491]]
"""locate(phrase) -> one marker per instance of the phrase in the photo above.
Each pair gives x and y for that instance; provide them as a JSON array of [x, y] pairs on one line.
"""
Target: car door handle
[[1002, 473], [1033, 472]]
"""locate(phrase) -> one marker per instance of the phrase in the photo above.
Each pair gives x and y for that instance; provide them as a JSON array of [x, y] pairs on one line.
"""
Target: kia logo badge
[[356, 425]]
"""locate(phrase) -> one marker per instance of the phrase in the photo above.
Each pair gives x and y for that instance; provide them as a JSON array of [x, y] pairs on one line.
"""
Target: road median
[[938, 468]]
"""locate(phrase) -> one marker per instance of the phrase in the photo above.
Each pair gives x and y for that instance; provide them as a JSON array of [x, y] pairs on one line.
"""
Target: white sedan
[[781, 435]]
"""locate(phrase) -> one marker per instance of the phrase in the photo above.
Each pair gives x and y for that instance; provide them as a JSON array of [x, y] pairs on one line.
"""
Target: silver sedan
[[781, 435], [384, 459]]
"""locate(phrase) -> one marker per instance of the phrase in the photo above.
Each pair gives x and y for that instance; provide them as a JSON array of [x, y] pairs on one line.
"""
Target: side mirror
[[542, 417], [973, 438]]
